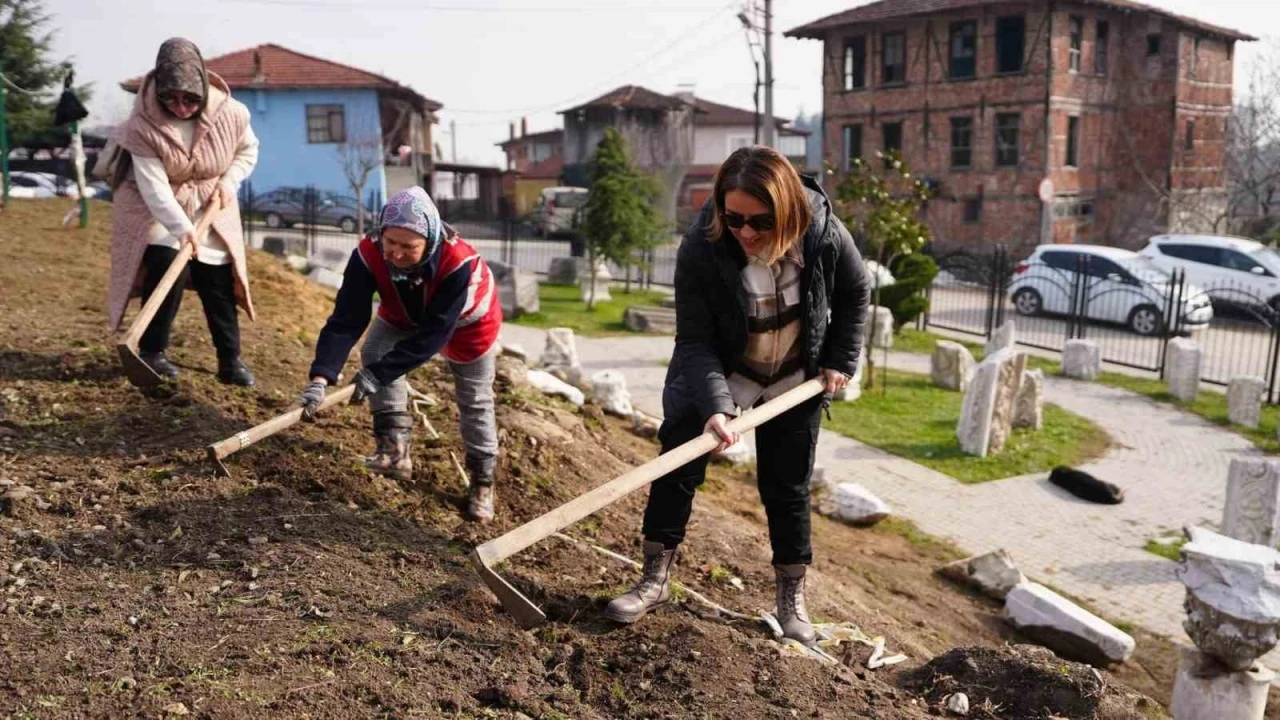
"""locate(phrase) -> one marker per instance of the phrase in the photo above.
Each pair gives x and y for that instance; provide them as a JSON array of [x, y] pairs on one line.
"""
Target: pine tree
[[619, 219], [25, 45]]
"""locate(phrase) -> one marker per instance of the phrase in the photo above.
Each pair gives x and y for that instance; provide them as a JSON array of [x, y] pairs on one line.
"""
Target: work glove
[[311, 398], [366, 385]]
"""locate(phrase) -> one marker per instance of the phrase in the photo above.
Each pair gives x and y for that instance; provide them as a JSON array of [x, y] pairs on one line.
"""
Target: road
[[1231, 347]]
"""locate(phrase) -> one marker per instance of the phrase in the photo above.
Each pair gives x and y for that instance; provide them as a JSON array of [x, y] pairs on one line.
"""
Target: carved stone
[[1251, 512], [1182, 369], [563, 271], [601, 282], [1028, 406], [879, 327], [609, 388], [986, 416], [1201, 689], [1002, 337], [1233, 597], [561, 353], [950, 365], [1244, 400], [1081, 359]]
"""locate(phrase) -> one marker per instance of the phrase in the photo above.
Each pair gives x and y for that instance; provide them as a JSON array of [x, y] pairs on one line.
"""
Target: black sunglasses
[[760, 223]]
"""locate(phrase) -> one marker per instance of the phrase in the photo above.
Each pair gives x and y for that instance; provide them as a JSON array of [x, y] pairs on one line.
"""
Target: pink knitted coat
[[194, 176]]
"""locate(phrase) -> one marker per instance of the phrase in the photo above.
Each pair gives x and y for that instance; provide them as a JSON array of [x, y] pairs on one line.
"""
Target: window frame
[[1073, 142], [854, 80], [962, 124], [1007, 36], [885, 81], [1001, 161], [1075, 34], [957, 33], [326, 112], [1102, 48]]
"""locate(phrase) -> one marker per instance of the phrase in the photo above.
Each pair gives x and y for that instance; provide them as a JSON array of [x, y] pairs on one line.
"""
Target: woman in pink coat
[[188, 146]]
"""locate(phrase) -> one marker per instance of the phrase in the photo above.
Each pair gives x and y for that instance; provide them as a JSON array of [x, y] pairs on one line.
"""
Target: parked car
[[558, 208], [27, 184], [1119, 287], [286, 207], [1234, 271]]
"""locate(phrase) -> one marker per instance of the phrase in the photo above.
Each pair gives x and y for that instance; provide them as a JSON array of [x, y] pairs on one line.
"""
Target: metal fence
[[1130, 311], [307, 222]]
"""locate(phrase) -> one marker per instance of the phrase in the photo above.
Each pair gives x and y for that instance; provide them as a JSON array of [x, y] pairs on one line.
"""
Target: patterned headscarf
[[412, 209], [180, 68]]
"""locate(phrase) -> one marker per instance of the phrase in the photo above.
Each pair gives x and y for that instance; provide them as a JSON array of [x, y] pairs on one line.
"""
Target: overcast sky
[[491, 61]]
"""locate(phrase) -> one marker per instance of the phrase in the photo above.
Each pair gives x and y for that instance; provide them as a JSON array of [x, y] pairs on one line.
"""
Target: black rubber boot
[[234, 372], [393, 431], [161, 364]]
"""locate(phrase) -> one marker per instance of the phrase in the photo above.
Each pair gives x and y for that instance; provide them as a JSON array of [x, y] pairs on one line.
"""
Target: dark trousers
[[784, 463], [216, 286]]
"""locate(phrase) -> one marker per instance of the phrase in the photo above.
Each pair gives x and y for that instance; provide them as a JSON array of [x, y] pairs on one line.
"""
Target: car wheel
[[1027, 302], [1145, 320], [347, 224], [274, 220]]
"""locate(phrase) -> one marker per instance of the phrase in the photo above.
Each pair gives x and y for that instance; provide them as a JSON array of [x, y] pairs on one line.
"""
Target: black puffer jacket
[[711, 306]]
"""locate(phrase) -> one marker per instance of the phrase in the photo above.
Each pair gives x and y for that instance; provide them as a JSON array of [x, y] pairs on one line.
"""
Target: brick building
[[1122, 107]]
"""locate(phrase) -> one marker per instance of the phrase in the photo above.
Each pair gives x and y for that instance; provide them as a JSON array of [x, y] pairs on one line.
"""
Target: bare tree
[[1253, 150], [360, 154]]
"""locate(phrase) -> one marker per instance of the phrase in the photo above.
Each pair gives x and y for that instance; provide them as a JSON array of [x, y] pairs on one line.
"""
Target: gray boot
[[393, 431], [480, 496], [653, 590], [792, 615]]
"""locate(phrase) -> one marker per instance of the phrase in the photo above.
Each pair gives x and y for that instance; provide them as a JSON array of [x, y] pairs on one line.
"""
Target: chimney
[[524, 126], [512, 128], [258, 77], [685, 91]]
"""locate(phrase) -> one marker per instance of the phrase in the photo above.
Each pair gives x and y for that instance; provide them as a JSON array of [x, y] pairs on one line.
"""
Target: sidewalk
[[1172, 465]]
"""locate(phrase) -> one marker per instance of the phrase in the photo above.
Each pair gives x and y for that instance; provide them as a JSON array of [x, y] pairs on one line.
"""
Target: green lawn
[[1211, 406], [1166, 550], [917, 421], [562, 306]]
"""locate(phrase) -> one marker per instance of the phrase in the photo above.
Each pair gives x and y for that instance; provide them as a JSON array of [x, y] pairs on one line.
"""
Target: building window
[[1008, 132], [1073, 142], [973, 210], [326, 124], [855, 63], [1153, 44], [1101, 51], [961, 142], [1076, 31], [895, 58], [1189, 143], [852, 145], [964, 50], [1011, 33], [892, 140], [1194, 59]]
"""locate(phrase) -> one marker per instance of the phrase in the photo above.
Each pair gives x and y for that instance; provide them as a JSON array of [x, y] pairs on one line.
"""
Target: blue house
[[321, 121]]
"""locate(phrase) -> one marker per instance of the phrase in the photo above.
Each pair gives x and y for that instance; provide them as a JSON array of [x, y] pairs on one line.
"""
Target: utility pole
[[769, 137], [748, 27]]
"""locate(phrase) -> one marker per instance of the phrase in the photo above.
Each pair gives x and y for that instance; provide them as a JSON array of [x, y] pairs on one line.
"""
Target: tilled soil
[[137, 583]]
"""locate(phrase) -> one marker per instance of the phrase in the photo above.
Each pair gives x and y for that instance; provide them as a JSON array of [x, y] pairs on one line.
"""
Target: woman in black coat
[[770, 291]]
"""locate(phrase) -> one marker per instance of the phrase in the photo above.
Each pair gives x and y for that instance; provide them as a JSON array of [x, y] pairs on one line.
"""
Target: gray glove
[[366, 385], [311, 399]]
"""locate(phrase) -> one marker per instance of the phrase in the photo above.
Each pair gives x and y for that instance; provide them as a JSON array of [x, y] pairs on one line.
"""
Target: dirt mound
[[137, 583], [1025, 681]]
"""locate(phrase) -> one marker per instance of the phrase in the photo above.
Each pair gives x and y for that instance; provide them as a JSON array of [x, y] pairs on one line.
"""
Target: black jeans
[[216, 285], [784, 463]]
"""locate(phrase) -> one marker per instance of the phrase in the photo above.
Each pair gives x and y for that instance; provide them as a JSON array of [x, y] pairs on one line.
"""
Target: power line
[[585, 94], [315, 5], [16, 86]]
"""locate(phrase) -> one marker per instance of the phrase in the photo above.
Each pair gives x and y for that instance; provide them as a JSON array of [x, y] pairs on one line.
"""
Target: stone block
[[609, 388], [850, 503], [951, 365], [993, 574], [1244, 400], [1067, 629], [1028, 406], [1002, 337], [1182, 368], [600, 282], [1233, 597], [563, 271], [641, 318], [326, 277], [1203, 691], [550, 385], [517, 289], [879, 328], [1081, 359], [986, 415], [1251, 512]]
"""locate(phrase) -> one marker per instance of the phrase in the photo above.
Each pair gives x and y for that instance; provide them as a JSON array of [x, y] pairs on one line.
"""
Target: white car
[[557, 209], [1233, 270], [1117, 286], [31, 185]]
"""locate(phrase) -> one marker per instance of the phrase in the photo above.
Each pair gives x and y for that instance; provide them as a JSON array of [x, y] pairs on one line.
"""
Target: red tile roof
[[891, 9], [284, 68], [717, 114], [631, 97]]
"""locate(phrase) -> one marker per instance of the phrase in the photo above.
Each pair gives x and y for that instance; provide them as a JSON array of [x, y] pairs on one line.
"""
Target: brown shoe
[[654, 588], [392, 458], [480, 503], [792, 615]]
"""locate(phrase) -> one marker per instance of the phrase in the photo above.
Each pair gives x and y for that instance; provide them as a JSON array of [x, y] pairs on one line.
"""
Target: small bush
[[905, 297]]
